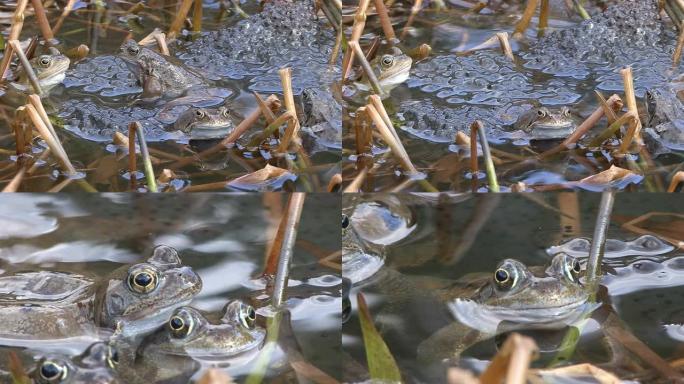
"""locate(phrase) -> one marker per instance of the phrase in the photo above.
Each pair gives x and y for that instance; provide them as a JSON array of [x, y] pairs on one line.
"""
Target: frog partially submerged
[[50, 69], [665, 117], [206, 123], [50, 305], [545, 124], [159, 75], [391, 69], [550, 298], [96, 365], [190, 336]]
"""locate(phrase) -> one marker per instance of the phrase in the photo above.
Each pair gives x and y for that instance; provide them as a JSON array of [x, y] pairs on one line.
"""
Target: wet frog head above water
[[144, 292], [543, 123], [95, 366], [391, 69], [189, 332], [159, 75], [50, 69], [206, 123]]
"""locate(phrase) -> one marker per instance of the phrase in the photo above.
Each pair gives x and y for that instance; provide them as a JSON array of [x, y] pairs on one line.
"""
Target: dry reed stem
[[15, 31], [177, 23], [33, 80], [65, 12], [612, 129], [292, 132], [132, 155], [197, 16], [543, 16], [42, 20], [602, 376], [357, 31], [512, 361], [581, 130], [677, 56], [384, 20], [608, 111], [51, 140], [524, 22], [336, 48], [380, 107], [355, 185], [272, 128], [265, 110], [676, 179], [363, 132], [36, 163], [417, 5], [161, 42], [38, 105], [219, 185], [505, 45], [634, 132], [473, 155], [60, 186], [149, 39], [334, 183], [365, 65], [389, 138], [13, 185]]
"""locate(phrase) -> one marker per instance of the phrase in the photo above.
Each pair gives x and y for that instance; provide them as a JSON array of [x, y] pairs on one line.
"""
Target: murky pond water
[[101, 94], [223, 239], [431, 245], [462, 81]]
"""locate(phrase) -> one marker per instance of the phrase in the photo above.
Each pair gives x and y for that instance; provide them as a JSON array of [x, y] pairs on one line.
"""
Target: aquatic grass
[[477, 129], [367, 70], [676, 180], [357, 31], [136, 129], [381, 364]]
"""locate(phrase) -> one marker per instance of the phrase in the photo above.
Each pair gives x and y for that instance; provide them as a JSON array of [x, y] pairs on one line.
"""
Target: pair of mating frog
[[153, 334], [159, 76], [663, 107]]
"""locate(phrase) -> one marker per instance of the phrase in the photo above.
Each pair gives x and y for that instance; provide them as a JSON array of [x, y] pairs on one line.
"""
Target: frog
[[50, 69], [531, 298], [97, 365], [159, 75], [545, 124], [391, 69], [206, 123], [68, 307], [665, 117], [191, 336]]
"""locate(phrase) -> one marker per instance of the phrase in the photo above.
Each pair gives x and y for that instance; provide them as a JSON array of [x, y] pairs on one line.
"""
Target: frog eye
[[387, 60], [143, 279], [52, 372], [113, 359], [199, 113], [650, 95], [133, 50], [345, 221], [247, 315], [502, 277], [224, 111], [576, 267], [45, 61], [181, 326], [541, 112], [565, 111], [571, 268]]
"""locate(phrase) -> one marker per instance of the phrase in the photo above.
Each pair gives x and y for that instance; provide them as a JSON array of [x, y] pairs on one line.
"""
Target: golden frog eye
[[45, 61], [387, 60], [181, 326], [52, 372], [501, 276], [247, 315], [143, 280]]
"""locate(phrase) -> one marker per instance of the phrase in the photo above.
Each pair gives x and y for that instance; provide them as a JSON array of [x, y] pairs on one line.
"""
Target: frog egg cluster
[[105, 75]]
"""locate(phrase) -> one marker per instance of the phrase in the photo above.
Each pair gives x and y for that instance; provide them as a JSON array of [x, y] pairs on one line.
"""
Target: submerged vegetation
[[562, 95]]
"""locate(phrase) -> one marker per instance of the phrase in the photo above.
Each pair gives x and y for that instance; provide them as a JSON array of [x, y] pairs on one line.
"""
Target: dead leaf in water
[[269, 178], [613, 177], [215, 376]]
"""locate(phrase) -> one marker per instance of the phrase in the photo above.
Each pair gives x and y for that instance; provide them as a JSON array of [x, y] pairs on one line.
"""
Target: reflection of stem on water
[[485, 205]]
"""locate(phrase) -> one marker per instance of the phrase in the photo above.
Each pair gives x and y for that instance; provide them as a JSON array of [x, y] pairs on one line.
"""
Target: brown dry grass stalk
[[33, 79], [363, 132], [42, 20], [292, 132], [505, 45], [676, 179], [357, 31], [473, 155], [65, 12], [197, 16], [634, 132], [581, 130], [417, 5], [385, 20], [161, 42], [543, 16], [52, 141], [15, 31], [13, 185], [511, 363], [365, 65], [334, 183], [178, 22], [132, 155], [524, 22]]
